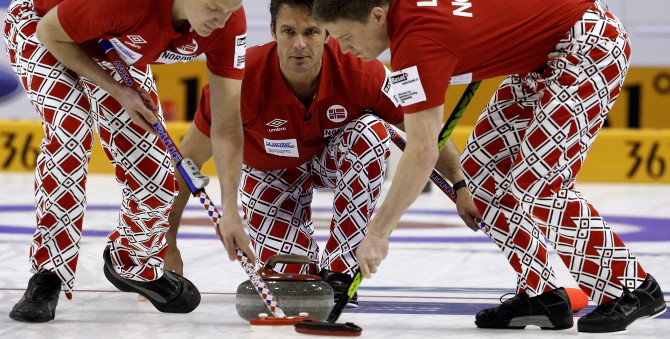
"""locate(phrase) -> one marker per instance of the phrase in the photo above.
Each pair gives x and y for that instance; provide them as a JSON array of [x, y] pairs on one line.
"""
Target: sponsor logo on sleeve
[[396, 78], [240, 57], [336, 113], [276, 125], [126, 54], [407, 86], [241, 40], [387, 89], [282, 148], [461, 79]]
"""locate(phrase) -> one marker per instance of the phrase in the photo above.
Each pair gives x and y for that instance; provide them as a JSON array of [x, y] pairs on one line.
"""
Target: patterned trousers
[[70, 108], [277, 203], [524, 154]]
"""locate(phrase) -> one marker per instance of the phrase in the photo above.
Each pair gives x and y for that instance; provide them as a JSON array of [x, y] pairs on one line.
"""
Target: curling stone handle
[[287, 259]]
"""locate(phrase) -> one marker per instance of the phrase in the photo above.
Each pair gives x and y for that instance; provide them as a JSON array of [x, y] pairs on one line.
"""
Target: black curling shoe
[[339, 282], [550, 311], [38, 304], [615, 315], [170, 293]]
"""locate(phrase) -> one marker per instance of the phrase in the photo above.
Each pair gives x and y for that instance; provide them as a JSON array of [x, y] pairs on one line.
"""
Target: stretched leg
[[577, 91], [487, 161], [144, 168], [353, 164], [277, 209], [60, 176], [133, 259]]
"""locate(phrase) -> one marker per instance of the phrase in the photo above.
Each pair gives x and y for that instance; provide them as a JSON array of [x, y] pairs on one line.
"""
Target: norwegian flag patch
[[189, 48], [336, 113]]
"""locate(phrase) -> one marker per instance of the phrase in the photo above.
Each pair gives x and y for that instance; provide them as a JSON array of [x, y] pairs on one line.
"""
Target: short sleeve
[[429, 67], [381, 97], [84, 20], [228, 57]]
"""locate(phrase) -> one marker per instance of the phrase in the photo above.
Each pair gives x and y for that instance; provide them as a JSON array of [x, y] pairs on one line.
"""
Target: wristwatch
[[458, 185]]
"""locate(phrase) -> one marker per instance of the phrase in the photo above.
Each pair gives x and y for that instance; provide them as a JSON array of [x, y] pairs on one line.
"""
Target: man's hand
[[467, 210], [232, 234], [413, 170], [227, 140], [140, 107], [370, 253]]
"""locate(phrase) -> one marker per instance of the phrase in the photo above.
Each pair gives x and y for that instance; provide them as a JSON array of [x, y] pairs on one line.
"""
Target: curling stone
[[295, 293]]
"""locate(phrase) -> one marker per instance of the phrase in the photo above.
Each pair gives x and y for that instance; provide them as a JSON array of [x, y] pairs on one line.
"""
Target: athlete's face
[[205, 16], [300, 41], [366, 41]]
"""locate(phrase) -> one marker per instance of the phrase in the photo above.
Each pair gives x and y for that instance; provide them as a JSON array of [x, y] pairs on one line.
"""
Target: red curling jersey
[[141, 32], [469, 40], [279, 132]]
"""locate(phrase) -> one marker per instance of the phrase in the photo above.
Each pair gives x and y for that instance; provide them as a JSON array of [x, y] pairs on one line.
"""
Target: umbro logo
[[276, 125], [135, 41]]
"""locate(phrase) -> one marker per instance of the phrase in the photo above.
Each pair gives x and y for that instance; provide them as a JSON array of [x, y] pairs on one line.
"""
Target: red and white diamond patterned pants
[[524, 154], [277, 204], [71, 108]]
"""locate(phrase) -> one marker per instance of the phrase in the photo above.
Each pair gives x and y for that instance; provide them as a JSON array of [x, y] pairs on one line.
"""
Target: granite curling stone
[[295, 293]]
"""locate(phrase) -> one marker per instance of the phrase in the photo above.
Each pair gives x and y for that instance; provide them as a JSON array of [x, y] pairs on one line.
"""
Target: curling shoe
[[340, 283], [615, 315], [550, 311], [38, 304], [170, 293]]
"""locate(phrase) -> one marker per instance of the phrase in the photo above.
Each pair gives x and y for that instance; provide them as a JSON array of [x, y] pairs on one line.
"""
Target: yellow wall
[[172, 81], [619, 155], [646, 94], [650, 87], [20, 142]]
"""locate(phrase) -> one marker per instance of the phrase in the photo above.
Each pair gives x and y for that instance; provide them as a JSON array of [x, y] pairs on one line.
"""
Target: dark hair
[[354, 10], [276, 4]]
